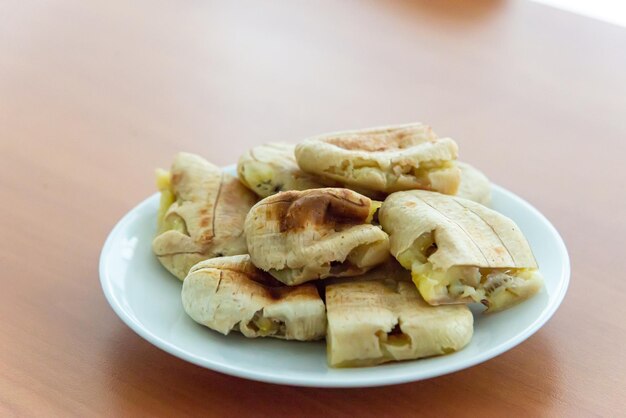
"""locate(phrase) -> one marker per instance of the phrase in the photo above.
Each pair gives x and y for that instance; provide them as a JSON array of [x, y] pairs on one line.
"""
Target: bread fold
[[271, 168], [383, 160], [376, 321], [298, 236], [230, 293], [201, 215], [460, 251]]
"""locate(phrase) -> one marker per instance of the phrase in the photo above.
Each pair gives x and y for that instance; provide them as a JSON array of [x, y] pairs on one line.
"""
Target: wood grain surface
[[95, 94]]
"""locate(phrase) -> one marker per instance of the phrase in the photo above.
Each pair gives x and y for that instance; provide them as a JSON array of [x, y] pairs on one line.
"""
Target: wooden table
[[94, 95]]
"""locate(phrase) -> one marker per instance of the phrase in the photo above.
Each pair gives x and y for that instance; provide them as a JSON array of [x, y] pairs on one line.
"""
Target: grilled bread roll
[[377, 321], [229, 293], [298, 236], [201, 214], [385, 160], [272, 168], [460, 251]]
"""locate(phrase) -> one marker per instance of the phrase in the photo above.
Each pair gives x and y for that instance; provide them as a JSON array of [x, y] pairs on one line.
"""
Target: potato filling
[[496, 288], [260, 176], [420, 173], [168, 197], [266, 326], [372, 218]]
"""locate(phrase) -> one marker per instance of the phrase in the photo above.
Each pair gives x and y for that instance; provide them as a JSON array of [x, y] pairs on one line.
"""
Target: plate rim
[[378, 379]]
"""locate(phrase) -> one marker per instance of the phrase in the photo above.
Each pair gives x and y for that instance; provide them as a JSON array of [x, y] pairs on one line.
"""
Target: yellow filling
[[168, 197], [260, 177], [266, 326], [163, 179], [373, 208], [496, 288], [419, 251], [438, 286]]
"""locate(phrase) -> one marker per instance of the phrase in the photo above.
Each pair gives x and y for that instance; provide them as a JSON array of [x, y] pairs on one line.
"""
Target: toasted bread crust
[[383, 160], [230, 293], [299, 236], [271, 168], [212, 205]]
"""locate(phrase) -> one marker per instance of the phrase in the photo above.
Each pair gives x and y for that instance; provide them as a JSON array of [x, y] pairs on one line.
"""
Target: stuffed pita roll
[[272, 168], [376, 321], [229, 293], [460, 251], [474, 184], [385, 160], [201, 214], [298, 236]]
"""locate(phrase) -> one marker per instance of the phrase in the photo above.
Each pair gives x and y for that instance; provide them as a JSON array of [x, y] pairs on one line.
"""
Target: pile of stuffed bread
[[376, 240]]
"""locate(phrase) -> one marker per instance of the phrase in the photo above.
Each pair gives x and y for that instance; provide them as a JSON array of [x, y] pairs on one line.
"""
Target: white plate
[[147, 298]]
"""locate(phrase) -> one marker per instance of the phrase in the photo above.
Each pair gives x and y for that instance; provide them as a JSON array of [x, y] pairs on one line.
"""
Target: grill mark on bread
[[265, 279], [275, 293], [261, 278], [217, 199], [459, 226], [382, 140], [498, 250], [178, 253], [177, 177], [295, 210]]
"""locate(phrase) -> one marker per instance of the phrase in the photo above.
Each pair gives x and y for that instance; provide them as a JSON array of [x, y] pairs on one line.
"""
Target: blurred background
[[613, 11], [149, 78]]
